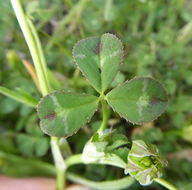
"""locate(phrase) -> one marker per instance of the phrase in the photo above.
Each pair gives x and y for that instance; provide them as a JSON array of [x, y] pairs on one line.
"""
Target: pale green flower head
[[144, 162]]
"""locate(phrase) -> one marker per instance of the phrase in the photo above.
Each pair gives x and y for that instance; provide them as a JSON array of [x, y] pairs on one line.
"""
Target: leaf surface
[[62, 113], [139, 100], [98, 58]]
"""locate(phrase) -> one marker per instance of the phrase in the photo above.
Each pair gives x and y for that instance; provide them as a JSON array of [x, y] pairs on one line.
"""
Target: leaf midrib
[[75, 107], [119, 99]]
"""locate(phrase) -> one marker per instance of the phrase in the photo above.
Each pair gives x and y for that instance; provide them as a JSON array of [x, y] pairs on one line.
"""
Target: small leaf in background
[[98, 58], [41, 146], [139, 100], [31, 126], [93, 21], [170, 86], [7, 143], [31, 146], [8, 105], [144, 162], [62, 114], [148, 133], [26, 144]]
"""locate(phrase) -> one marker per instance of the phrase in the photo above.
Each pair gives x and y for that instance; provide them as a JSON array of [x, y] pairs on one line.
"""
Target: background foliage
[[157, 39]]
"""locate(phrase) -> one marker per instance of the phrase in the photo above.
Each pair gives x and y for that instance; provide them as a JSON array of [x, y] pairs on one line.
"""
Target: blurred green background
[[157, 39]]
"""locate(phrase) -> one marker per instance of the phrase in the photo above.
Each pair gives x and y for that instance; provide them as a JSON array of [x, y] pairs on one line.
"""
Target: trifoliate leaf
[[139, 100], [144, 162], [98, 58], [62, 113]]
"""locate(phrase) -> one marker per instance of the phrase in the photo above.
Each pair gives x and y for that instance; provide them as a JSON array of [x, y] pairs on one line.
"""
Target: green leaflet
[[62, 113], [139, 100], [98, 58], [144, 162]]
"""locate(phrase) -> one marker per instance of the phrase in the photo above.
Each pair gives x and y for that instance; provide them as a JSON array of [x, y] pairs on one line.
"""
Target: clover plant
[[63, 113], [139, 100]]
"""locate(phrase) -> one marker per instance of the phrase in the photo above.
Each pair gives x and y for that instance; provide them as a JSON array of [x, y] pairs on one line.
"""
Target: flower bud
[[144, 162]]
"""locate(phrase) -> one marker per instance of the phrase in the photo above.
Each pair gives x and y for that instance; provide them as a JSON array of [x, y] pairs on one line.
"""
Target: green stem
[[165, 184], [31, 45], [37, 55], [59, 163], [76, 159], [60, 179], [105, 115], [49, 75], [73, 160], [39, 49], [114, 184]]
